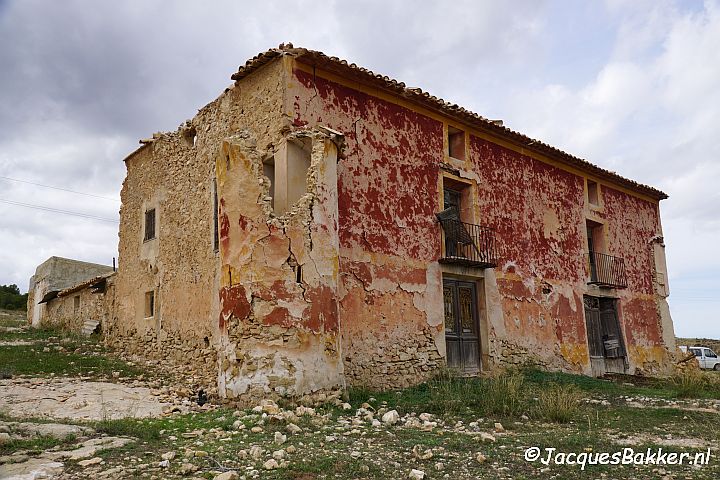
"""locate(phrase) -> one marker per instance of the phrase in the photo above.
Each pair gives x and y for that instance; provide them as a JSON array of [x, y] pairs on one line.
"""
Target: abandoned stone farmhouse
[[318, 225]]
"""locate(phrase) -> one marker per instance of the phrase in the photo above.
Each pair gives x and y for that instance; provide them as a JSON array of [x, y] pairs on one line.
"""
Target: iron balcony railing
[[468, 244], [606, 270]]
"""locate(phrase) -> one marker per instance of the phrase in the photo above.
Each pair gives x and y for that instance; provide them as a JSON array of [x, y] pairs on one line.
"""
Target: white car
[[705, 357]]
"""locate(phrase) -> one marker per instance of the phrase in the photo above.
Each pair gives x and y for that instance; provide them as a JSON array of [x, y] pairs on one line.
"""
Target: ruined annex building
[[318, 225]]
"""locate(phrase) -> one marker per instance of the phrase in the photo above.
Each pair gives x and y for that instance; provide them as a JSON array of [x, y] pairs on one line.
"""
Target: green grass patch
[[148, 430], [31, 360], [35, 444]]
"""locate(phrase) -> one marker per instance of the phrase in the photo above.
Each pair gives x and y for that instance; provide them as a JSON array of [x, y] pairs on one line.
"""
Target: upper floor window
[[456, 143], [149, 224], [593, 192]]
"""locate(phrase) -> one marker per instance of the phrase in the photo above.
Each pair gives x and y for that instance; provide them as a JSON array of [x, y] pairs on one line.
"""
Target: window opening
[[456, 143], [593, 193], [269, 172], [149, 224], [150, 304]]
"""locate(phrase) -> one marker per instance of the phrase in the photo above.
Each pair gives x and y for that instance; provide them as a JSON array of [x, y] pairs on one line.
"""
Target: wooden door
[[605, 341], [462, 337]]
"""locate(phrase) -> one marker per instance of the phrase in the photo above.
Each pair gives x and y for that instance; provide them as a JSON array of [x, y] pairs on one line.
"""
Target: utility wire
[[57, 210], [59, 188]]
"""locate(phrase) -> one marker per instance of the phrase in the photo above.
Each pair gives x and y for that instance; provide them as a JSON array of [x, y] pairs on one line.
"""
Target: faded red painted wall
[[392, 159], [393, 155], [536, 210], [388, 195]]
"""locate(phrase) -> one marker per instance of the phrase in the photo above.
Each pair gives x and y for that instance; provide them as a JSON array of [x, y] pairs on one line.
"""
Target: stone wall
[[174, 173], [240, 312], [76, 305]]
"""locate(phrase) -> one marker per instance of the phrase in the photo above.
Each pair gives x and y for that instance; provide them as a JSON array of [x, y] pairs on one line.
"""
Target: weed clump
[[504, 395], [558, 403], [694, 383]]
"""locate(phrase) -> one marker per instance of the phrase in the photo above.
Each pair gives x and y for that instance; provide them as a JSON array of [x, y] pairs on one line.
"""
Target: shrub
[[558, 403]]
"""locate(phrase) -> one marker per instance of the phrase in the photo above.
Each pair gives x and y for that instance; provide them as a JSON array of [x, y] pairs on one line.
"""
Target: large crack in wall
[[279, 272]]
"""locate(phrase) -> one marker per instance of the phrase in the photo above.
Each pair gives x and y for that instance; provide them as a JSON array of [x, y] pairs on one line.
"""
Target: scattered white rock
[[292, 428], [416, 474], [271, 464], [280, 438], [487, 437], [230, 475], [420, 454], [163, 464], [480, 458], [499, 427], [346, 406], [188, 468], [91, 461], [391, 417], [168, 455], [256, 452]]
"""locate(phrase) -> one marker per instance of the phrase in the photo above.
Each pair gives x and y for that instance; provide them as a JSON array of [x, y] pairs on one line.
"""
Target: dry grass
[[558, 403]]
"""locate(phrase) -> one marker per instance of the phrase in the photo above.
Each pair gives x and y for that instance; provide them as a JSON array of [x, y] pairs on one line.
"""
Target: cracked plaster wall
[[282, 322], [391, 284]]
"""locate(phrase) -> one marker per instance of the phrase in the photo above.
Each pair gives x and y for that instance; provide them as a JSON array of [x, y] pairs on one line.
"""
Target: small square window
[[149, 304], [149, 224], [593, 193], [456, 143]]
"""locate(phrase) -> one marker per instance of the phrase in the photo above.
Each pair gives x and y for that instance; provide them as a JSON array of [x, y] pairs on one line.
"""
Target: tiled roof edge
[[343, 67]]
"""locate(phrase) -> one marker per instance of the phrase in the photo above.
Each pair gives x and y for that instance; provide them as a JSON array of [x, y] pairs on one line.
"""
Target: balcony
[[467, 244], [606, 271]]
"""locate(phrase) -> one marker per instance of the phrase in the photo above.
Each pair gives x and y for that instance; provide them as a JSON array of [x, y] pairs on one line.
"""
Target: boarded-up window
[[76, 304], [149, 224]]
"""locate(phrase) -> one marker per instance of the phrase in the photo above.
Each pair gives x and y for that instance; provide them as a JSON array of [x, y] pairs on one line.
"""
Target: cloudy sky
[[631, 85]]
